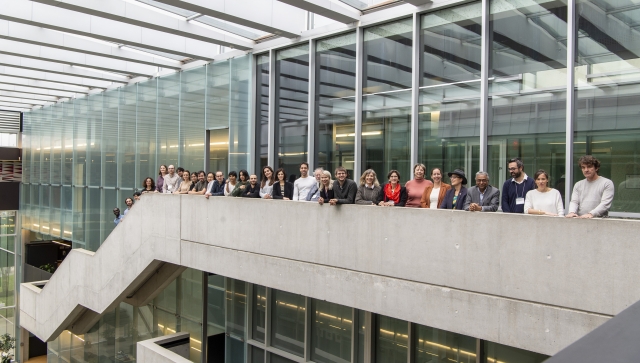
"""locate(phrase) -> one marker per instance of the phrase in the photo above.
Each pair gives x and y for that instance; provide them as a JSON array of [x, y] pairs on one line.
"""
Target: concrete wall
[[536, 283], [151, 351]]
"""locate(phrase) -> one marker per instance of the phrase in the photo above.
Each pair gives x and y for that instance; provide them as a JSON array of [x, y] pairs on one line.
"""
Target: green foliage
[[7, 345], [49, 268]]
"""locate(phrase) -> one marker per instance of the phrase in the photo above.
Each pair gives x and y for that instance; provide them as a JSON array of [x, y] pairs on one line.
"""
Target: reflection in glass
[[392, 339], [257, 355], [449, 103], [262, 110], [607, 78], [236, 303], [259, 312], [215, 305], [287, 322], [440, 346], [292, 92], [495, 352], [387, 97], [331, 326], [192, 118], [335, 101], [528, 91]]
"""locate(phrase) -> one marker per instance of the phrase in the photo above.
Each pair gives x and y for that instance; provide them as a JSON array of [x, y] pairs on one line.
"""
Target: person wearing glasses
[[456, 196], [514, 190], [482, 197]]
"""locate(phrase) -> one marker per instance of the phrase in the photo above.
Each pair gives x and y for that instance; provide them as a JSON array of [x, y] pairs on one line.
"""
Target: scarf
[[395, 195]]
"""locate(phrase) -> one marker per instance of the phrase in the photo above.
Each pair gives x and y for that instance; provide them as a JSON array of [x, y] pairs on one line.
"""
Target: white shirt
[[302, 187], [550, 201], [433, 198], [267, 189], [230, 186]]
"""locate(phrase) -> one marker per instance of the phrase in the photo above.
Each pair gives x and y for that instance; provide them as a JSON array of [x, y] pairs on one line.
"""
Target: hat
[[459, 173]]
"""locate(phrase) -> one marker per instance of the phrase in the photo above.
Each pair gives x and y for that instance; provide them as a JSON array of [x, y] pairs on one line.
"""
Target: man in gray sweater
[[593, 195]]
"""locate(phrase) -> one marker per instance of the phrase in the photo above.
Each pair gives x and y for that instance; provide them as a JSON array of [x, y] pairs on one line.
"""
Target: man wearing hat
[[482, 197], [456, 196]]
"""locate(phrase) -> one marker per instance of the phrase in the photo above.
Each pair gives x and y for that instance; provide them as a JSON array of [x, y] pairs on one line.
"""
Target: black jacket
[[447, 203], [327, 196], [347, 194], [251, 192], [278, 194], [403, 196]]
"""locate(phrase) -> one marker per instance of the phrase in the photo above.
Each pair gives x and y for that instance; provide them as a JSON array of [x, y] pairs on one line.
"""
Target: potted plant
[[7, 345]]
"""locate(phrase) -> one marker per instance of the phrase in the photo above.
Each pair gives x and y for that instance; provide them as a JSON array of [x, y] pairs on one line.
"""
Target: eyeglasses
[[454, 177], [513, 169]]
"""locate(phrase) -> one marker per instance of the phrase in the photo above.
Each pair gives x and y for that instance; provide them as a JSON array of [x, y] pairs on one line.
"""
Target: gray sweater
[[592, 197], [367, 196]]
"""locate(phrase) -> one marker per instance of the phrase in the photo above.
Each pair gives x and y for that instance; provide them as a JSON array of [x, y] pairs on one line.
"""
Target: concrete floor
[[40, 359]]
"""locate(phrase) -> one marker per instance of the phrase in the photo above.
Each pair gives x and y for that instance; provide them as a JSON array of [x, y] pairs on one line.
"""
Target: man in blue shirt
[[515, 190], [119, 217]]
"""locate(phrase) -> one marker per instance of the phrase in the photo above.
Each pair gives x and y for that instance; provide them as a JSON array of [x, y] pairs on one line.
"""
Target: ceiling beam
[[21, 95], [8, 106], [51, 77], [266, 15], [59, 68], [328, 9], [39, 52], [56, 18], [418, 2], [25, 101], [39, 91], [13, 81], [54, 39]]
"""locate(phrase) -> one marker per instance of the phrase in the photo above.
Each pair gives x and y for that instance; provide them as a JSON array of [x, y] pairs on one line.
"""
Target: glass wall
[[10, 278], [292, 115], [440, 346], [449, 103], [262, 110], [288, 322], [495, 352], [386, 102], [335, 101], [607, 76], [392, 339], [331, 326]]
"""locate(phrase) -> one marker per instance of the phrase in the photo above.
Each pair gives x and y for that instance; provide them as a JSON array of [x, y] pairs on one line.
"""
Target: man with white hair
[[482, 197]]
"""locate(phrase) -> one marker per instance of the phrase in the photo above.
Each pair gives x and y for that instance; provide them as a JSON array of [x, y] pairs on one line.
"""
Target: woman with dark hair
[[393, 194], [282, 189], [160, 180], [148, 186], [232, 181], [243, 177], [185, 185], [194, 181], [266, 184], [369, 189], [454, 198], [433, 195], [543, 200]]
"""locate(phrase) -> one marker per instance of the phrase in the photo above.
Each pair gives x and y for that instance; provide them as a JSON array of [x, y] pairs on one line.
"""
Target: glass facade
[[10, 276]]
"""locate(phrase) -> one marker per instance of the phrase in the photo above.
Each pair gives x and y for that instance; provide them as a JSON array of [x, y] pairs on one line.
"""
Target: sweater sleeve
[[296, 191], [605, 201], [575, 198], [559, 205]]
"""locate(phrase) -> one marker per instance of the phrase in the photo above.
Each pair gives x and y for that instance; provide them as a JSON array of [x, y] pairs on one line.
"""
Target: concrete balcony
[[536, 283]]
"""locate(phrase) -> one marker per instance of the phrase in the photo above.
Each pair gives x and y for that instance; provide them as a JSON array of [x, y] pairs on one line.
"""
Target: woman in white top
[[543, 200], [231, 183], [266, 184]]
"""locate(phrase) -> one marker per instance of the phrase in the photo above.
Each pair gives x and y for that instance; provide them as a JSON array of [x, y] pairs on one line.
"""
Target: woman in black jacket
[[282, 189], [325, 187], [454, 198], [393, 194]]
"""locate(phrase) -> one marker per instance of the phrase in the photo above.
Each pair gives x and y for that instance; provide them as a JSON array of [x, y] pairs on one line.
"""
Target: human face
[[318, 174], [194, 177], [482, 181], [369, 178], [201, 177], [185, 176], [436, 175], [148, 182], [589, 171], [394, 179], [209, 178], [219, 177], [325, 180], [232, 179], [542, 182], [418, 173], [280, 176], [116, 212], [128, 202], [341, 175], [304, 170], [253, 179], [163, 169], [514, 170], [267, 173], [455, 180], [243, 177], [172, 169]]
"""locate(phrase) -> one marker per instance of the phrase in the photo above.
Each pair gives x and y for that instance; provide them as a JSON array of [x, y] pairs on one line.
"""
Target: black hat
[[459, 173]]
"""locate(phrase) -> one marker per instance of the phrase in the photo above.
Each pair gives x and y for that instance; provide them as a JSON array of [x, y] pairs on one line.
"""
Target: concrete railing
[[155, 350], [537, 283]]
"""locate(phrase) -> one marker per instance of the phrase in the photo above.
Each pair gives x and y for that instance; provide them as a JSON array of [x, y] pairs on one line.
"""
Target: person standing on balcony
[[392, 194], [282, 189], [160, 180], [201, 185], [148, 186], [253, 188], [415, 188], [170, 181], [369, 189], [266, 184], [543, 200], [217, 188], [456, 196], [593, 195], [482, 197], [241, 184], [314, 193], [185, 184], [344, 190], [515, 189], [325, 191], [433, 196], [179, 171], [129, 203], [303, 185], [119, 217], [230, 186]]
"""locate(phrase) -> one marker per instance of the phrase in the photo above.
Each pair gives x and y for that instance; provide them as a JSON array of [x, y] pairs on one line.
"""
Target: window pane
[[607, 78], [440, 346], [259, 312], [215, 308], [287, 332], [335, 95], [387, 97], [126, 155], [236, 303], [392, 338], [168, 119], [449, 114], [330, 332], [278, 359], [361, 328], [501, 353], [110, 148], [292, 116], [257, 355], [262, 109]]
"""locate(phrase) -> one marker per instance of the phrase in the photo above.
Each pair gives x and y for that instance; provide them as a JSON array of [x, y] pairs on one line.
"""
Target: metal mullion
[[254, 162], [207, 138], [415, 89], [357, 144], [572, 33], [205, 323], [307, 329], [484, 84], [229, 112], [311, 109], [250, 306], [480, 351], [271, 146], [369, 343], [355, 330], [410, 344], [267, 323]]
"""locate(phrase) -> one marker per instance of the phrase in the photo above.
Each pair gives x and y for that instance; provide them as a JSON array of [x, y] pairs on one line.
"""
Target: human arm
[[237, 191], [425, 201], [360, 196], [574, 204], [559, 205], [350, 196], [252, 192], [277, 193], [605, 200], [296, 191], [467, 204], [505, 197], [494, 202], [403, 198]]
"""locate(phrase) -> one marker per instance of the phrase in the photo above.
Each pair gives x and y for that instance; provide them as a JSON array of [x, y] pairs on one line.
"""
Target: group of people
[[591, 196]]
